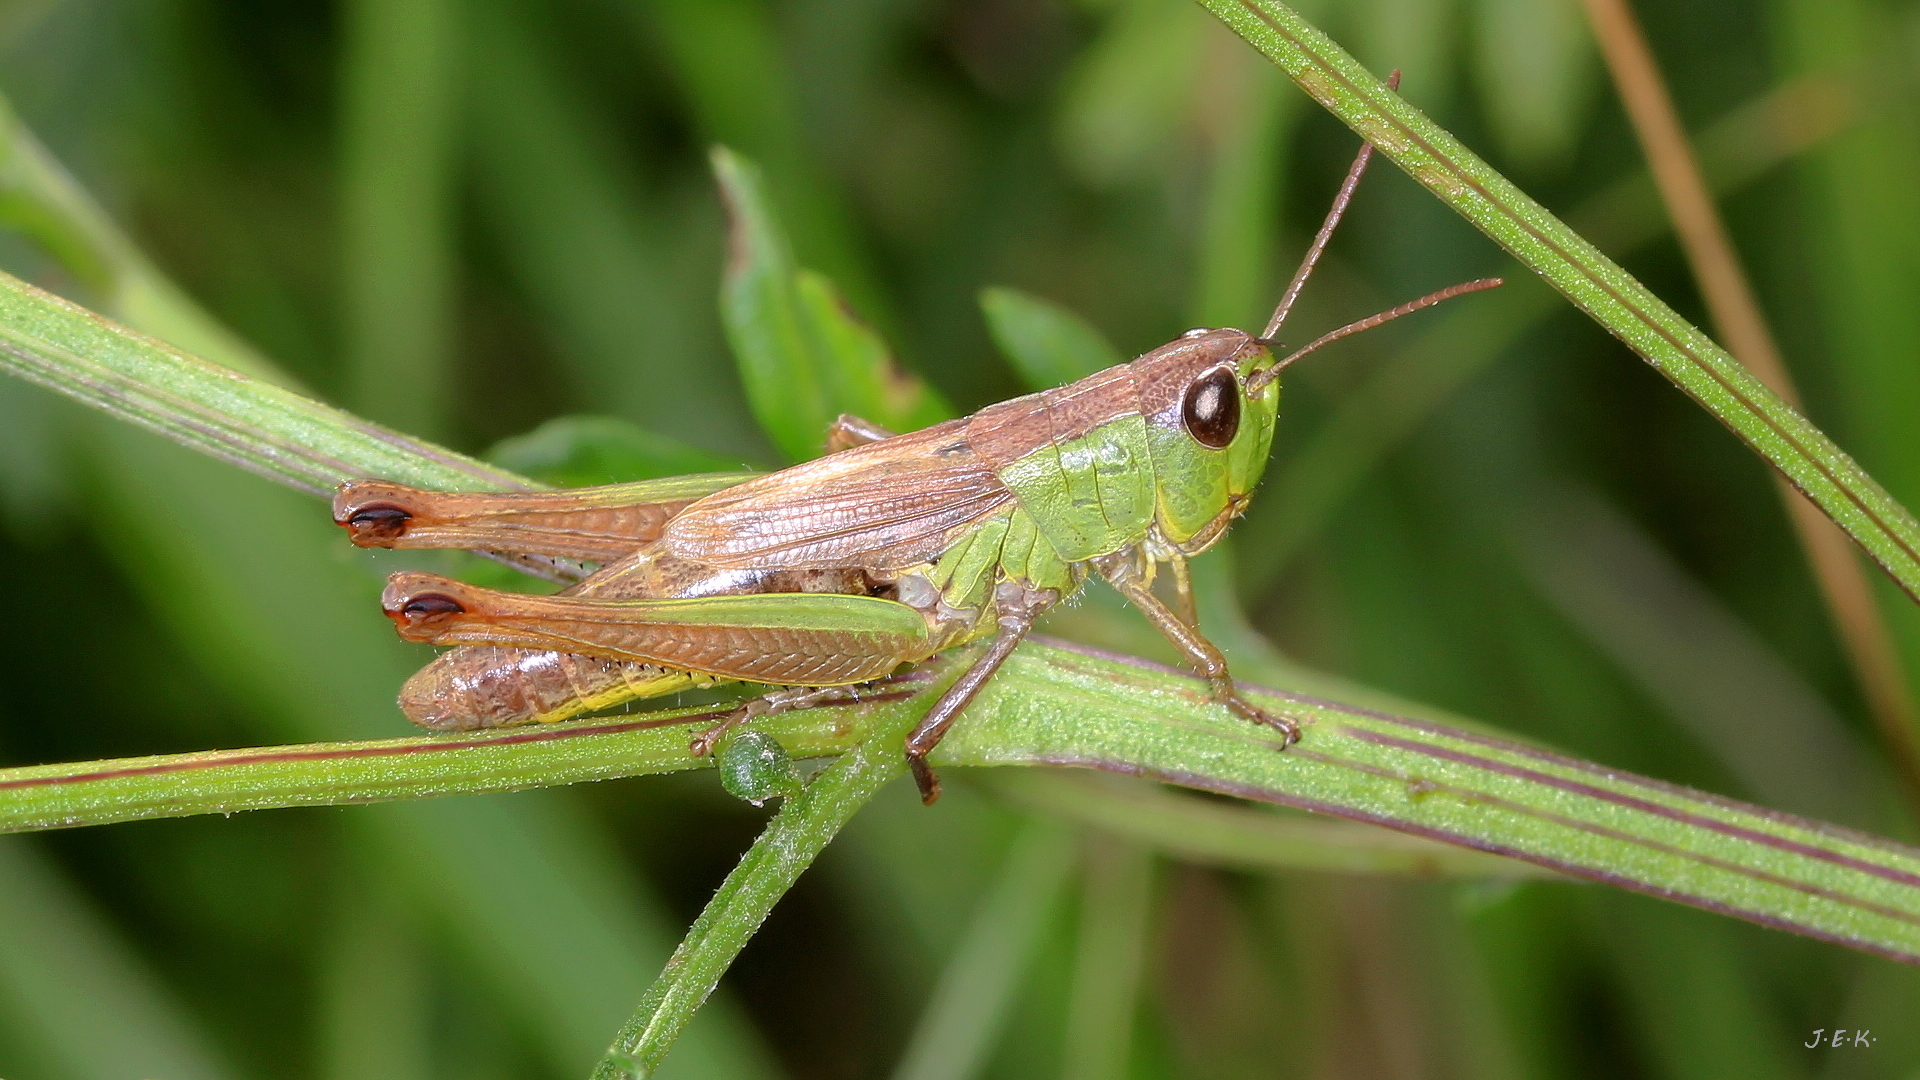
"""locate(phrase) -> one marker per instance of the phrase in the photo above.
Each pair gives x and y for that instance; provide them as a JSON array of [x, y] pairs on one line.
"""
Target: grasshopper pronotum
[[886, 551]]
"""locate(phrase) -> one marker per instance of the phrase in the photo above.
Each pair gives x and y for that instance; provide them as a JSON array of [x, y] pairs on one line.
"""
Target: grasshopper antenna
[[1319, 246], [1266, 375]]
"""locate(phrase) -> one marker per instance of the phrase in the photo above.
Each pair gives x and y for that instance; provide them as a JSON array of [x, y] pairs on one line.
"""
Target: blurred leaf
[[40, 199], [1129, 92], [962, 1022], [1048, 345], [1252, 118], [623, 311], [735, 80], [87, 1000], [1534, 63], [1114, 932], [584, 451], [539, 901], [33, 481], [1414, 37], [1692, 988], [398, 211], [375, 1008], [1713, 674], [803, 356]]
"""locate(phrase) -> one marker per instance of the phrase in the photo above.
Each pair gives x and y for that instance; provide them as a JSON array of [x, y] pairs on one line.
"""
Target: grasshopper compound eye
[[1211, 410]]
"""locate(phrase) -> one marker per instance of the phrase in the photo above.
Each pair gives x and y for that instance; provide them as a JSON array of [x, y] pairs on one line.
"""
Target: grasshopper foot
[[1247, 710], [924, 777]]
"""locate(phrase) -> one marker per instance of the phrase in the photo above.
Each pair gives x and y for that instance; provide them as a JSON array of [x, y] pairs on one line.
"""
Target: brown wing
[[884, 505]]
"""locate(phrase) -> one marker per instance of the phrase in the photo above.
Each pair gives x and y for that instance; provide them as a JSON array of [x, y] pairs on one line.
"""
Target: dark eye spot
[[427, 605], [379, 521], [1211, 410]]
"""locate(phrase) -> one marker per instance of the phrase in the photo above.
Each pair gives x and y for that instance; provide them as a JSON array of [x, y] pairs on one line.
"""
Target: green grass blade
[[1207, 832], [962, 1023], [1307, 487], [789, 844], [1594, 283], [236, 418], [1046, 343], [1062, 706]]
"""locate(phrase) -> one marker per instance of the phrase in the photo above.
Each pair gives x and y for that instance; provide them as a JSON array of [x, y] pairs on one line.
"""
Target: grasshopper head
[[1210, 415]]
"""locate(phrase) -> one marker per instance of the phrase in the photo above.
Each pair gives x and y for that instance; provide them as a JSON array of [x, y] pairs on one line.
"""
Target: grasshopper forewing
[[885, 552]]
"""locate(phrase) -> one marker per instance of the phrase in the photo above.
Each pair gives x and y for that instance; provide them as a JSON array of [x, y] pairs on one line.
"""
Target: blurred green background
[[466, 217]]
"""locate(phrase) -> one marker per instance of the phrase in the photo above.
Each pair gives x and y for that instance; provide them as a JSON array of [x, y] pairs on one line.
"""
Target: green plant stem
[[1305, 489], [1214, 833], [788, 845], [344, 773], [1058, 705], [237, 418], [1595, 284], [1736, 313]]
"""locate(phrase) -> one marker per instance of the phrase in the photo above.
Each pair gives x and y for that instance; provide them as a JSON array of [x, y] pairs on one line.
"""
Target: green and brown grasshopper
[[886, 551]]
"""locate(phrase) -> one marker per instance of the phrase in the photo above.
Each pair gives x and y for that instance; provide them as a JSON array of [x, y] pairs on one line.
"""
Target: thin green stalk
[[346, 773], [1306, 488], [1058, 705], [788, 845], [1209, 832], [1594, 283], [216, 410]]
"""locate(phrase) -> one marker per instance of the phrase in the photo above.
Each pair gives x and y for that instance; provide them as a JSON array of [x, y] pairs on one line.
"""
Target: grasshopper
[[886, 551]]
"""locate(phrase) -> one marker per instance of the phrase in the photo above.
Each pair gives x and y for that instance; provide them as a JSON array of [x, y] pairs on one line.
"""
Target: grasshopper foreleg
[[1183, 590], [1122, 569]]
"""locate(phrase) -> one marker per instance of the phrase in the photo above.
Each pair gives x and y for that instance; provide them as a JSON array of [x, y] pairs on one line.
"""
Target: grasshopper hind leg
[[772, 703]]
